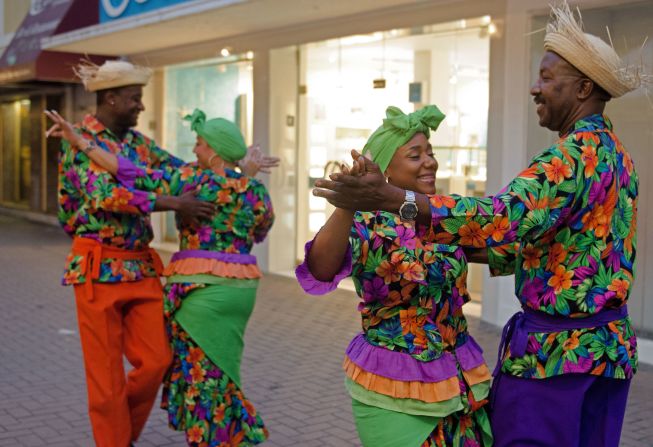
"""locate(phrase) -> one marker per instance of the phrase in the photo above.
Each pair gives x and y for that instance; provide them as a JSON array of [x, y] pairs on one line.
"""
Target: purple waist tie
[[515, 332], [235, 258]]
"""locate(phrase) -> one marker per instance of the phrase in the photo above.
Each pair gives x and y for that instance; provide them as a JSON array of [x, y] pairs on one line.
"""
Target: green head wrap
[[397, 129], [224, 137]]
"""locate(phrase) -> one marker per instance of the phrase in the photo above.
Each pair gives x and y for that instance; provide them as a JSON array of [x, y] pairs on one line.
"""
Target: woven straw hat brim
[[591, 65]]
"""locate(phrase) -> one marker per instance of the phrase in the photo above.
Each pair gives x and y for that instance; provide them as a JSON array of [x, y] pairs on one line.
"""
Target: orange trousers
[[117, 319]]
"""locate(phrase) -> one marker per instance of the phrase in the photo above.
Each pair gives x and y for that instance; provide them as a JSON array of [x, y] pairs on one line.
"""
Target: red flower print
[[532, 257], [442, 201], [561, 279], [557, 254], [195, 433], [498, 228], [620, 287], [591, 160], [556, 171], [472, 234]]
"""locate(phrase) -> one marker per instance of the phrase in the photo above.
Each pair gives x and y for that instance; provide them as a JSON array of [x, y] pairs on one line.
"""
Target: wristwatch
[[408, 210]]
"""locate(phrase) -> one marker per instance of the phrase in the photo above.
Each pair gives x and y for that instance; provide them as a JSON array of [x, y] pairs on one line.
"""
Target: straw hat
[[111, 74], [589, 54]]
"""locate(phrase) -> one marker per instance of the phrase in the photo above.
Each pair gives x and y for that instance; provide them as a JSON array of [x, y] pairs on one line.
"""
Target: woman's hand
[[255, 161], [63, 129]]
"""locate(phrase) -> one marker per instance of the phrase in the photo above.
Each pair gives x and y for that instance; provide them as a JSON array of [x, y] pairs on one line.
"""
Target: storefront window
[[15, 153], [221, 88], [347, 84]]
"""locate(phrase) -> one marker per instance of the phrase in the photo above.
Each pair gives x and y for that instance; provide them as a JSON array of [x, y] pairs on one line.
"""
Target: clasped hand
[[362, 187]]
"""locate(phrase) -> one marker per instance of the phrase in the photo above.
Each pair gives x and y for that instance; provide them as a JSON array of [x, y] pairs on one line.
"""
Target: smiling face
[[126, 104], [413, 166], [555, 92], [205, 154]]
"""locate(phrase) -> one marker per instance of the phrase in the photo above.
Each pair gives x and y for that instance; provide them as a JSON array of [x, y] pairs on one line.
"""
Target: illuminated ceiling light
[[491, 29], [463, 23], [486, 20], [225, 52], [249, 55]]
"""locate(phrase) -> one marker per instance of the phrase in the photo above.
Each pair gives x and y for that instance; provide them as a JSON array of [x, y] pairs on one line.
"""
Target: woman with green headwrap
[[415, 375], [211, 281]]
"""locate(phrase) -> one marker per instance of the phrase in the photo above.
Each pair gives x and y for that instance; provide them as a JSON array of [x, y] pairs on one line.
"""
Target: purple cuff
[[403, 367], [314, 286], [127, 171], [144, 201]]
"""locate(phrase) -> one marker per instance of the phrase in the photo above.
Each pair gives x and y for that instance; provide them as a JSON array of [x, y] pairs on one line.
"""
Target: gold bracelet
[[89, 147]]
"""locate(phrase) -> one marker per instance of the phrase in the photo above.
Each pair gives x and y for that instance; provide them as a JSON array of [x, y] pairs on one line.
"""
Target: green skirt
[[215, 317]]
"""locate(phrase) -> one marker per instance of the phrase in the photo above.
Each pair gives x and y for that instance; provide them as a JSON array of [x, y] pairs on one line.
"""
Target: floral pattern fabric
[[573, 212], [244, 213], [412, 291], [199, 398], [92, 204]]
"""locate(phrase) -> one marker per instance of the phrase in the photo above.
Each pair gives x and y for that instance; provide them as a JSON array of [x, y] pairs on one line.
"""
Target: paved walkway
[[291, 368]]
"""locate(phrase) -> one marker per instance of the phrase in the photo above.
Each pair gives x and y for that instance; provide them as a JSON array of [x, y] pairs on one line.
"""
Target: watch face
[[408, 211]]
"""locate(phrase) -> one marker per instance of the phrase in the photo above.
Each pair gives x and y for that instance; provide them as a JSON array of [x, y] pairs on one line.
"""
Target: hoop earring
[[211, 158]]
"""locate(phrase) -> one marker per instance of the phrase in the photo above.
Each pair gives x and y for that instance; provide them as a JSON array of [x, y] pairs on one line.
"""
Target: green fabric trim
[[409, 406], [414, 406], [481, 390], [378, 427], [385, 421], [206, 278], [215, 317]]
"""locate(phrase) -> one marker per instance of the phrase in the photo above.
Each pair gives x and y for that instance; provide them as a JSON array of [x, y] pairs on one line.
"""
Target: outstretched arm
[[533, 203], [185, 204]]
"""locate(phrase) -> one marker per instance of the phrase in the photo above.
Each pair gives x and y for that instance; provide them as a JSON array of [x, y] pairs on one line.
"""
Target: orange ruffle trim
[[477, 375], [431, 392], [196, 266]]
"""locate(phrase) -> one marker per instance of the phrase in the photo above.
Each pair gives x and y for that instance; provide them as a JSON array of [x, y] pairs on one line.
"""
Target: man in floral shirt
[[111, 266], [566, 361]]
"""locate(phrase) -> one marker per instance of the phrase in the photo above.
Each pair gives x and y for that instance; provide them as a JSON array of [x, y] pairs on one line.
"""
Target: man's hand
[[187, 206], [190, 209], [63, 129], [362, 188], [255, 161]]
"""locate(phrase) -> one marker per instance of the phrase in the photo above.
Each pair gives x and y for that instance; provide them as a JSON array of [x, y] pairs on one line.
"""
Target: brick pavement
[[291, 365]]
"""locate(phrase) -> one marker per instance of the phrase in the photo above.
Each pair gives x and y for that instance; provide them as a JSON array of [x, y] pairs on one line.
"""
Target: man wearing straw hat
[[566, 360], [114, 272]]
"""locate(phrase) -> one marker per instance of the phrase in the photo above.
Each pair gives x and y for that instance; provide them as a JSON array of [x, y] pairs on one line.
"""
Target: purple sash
[[515, 332], [235, 258]]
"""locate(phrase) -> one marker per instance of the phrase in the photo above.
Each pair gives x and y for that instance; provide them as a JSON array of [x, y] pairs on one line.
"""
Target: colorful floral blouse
[[573, 212], [92, 204], [244, 215], [414, 354]]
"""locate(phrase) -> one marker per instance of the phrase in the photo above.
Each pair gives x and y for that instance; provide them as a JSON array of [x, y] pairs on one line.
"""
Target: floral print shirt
[[414, 346], [412, 290], [244, 213], [573, 213], [92, 204]]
